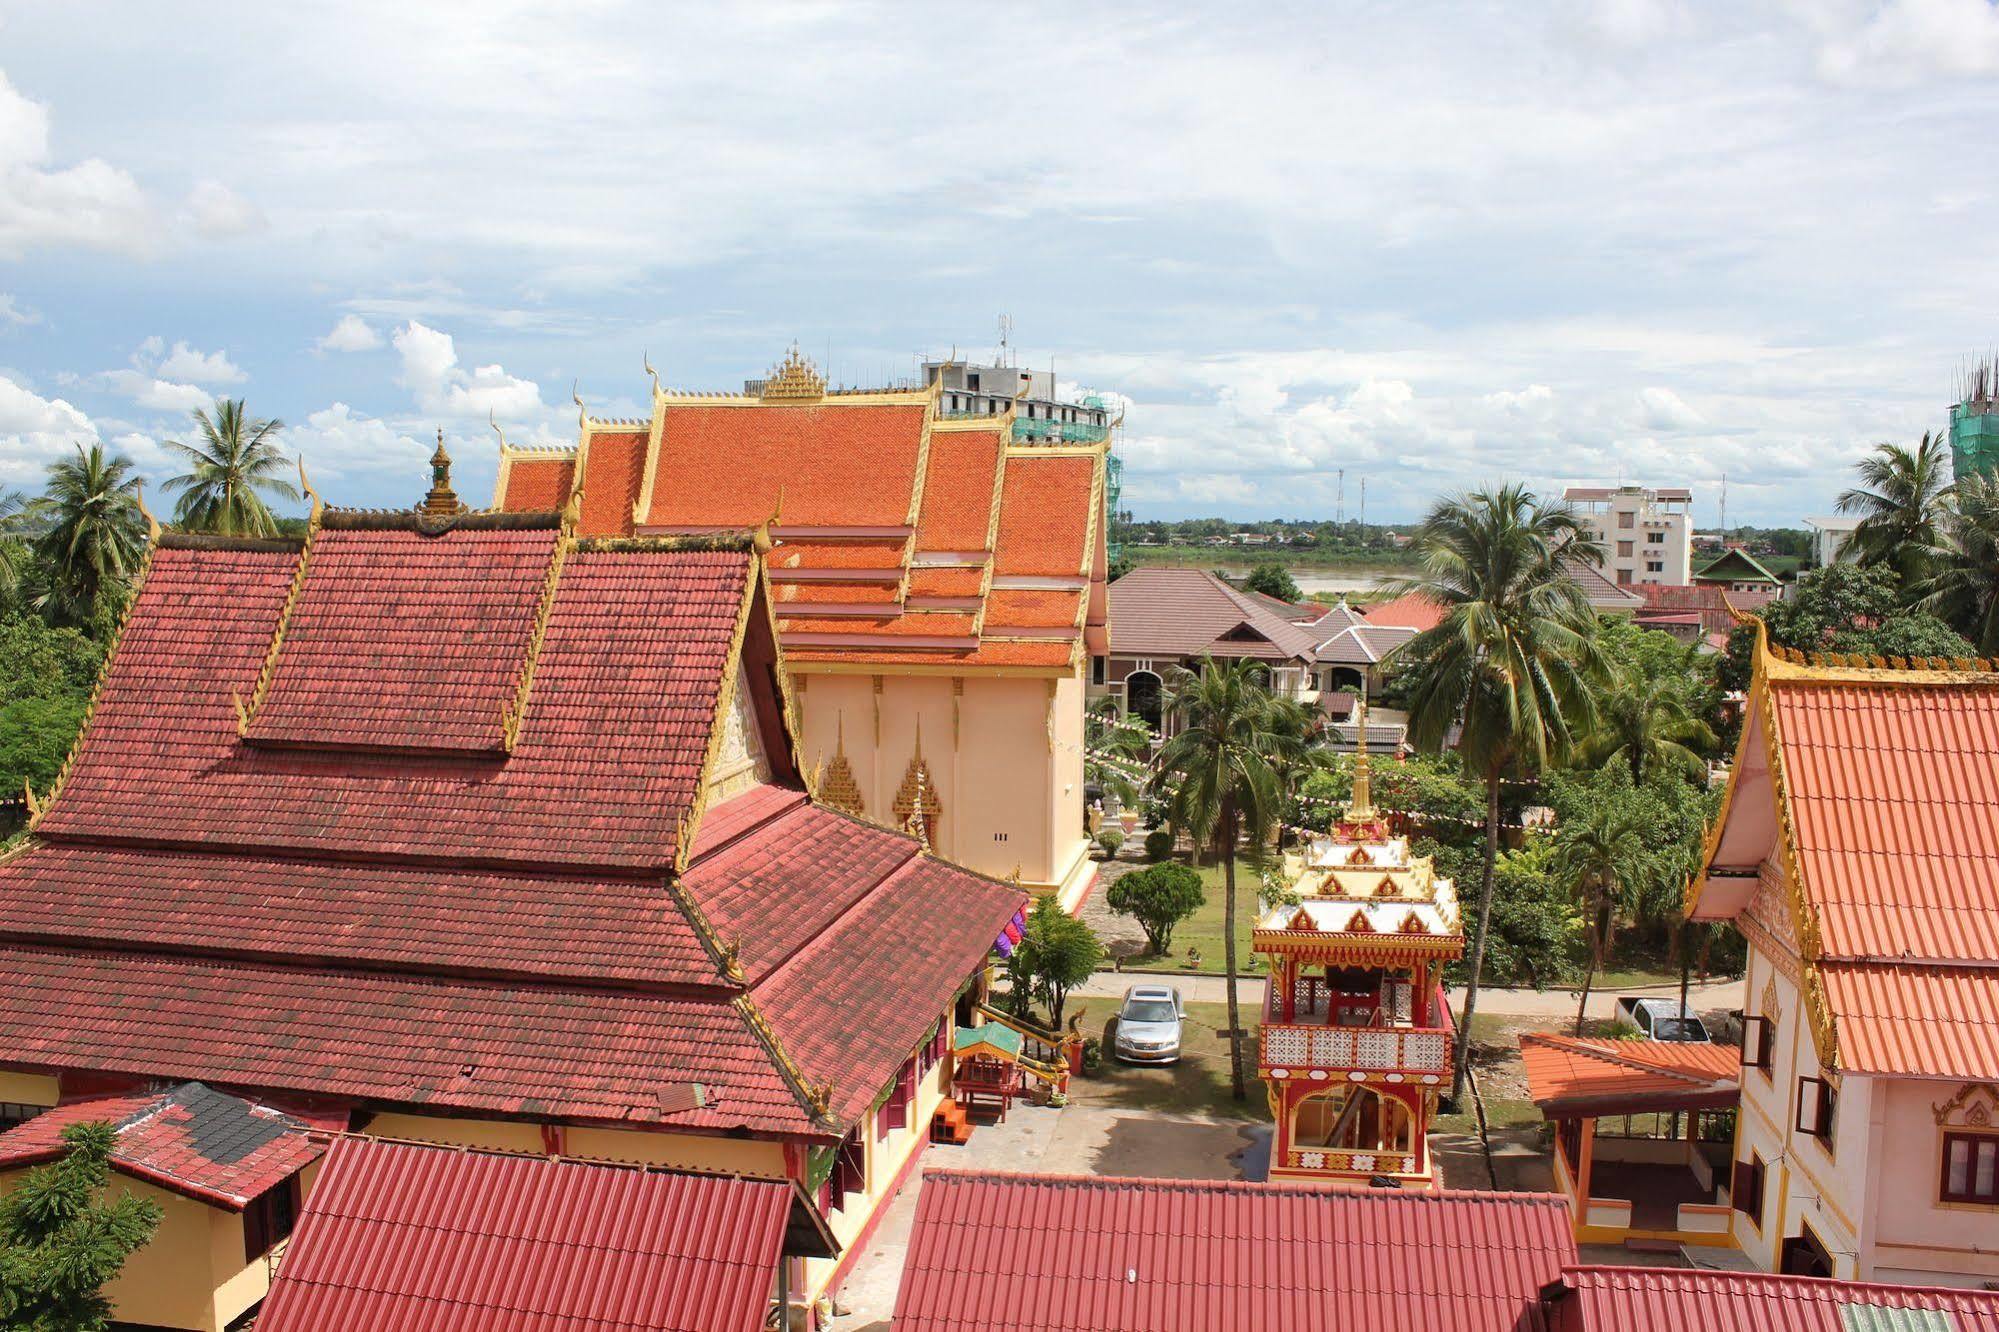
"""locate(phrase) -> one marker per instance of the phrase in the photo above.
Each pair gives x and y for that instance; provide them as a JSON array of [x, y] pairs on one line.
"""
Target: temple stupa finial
[[1361, 807]]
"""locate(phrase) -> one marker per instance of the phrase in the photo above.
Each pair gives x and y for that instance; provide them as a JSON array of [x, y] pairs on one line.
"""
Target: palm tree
[[1963, 585], [1603, 856], [13, 508], [1902, 499], [1506, 670], [93, 540], [1114, 749], [1643, 722], [238, 457], [1219, 774]]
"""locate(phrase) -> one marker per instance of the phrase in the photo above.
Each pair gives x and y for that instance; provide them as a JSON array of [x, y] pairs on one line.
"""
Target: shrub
[[1159, 844], [1158, 898], [1110, 839]]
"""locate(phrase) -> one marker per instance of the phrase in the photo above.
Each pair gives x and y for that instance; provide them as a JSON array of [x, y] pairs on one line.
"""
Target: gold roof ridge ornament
[[442, 501], [794, 379], [305, 486], [1361, 806], [645, 359], [152, 523]]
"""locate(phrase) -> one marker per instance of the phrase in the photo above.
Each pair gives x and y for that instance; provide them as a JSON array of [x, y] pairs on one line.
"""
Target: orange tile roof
[[1008, 607], [1570, 1075], [1915, 1021], [799, 620], [1000, 653], [958, 490], [836, 464], [860, 488], [538, 483], [1411, 610], [1045, 514]]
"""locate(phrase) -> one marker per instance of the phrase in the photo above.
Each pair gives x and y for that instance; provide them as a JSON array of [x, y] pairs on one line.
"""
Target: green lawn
[[1202, 932], [1198, 1083]]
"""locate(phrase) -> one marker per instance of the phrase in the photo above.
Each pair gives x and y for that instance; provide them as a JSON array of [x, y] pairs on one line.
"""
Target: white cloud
[[184, 362], [217, 212], [1663, 409], [1903, 42], [155, 394], [441, 388], [34, 431], [339, 443], [351, 334], [14, 314], [91, 203]]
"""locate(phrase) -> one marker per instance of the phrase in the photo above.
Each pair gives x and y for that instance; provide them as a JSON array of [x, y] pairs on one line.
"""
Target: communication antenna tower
[[1363, 501], [1340, 498], [1724, 508], [1006, 338]]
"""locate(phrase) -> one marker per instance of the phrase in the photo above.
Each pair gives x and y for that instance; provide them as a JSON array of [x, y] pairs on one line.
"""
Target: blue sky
[[1430, 244]]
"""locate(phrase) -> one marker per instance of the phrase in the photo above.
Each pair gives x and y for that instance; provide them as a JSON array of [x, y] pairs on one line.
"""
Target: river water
[[1327, 580]]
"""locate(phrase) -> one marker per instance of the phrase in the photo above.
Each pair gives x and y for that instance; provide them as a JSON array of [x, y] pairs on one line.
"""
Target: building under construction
[[1974, 423]]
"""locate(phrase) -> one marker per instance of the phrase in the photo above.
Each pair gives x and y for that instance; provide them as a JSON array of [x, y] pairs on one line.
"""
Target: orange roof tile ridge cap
[[38, 807]]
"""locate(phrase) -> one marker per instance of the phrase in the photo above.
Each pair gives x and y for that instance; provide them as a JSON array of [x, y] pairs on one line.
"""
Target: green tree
[[35, 738], [1114, 750], [13, 551], [95, 534], [1219, 774], [1602, 857], [1902, 499], [237, 458], [1158, 898], [1057, 953], [1845, 608], [61, 1243], [1533, 935], [1273, 580], [1643, 722], [1509, 665], [1962, 588]]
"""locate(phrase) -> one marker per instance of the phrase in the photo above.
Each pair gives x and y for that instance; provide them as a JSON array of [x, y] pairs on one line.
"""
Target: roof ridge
[[1828, 1284]]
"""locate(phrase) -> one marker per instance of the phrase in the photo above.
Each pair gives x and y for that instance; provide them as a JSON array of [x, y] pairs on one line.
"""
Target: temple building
[[1857, 850], [1356, 1040], [467, 828], [938, 583]]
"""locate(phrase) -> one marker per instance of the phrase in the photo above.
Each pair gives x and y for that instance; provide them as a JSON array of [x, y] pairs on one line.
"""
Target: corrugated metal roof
[[406, 1237], [1637, 1299], [1071, 1253], [1915, 1021], [1571, 1075]]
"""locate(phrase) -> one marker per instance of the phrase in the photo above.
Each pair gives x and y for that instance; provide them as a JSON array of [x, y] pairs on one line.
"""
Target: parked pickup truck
[[1661, 1019]]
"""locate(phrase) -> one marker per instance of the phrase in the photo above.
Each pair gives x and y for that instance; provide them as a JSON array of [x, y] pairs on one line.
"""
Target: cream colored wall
[[1913, 1236], [692, 1151], [1011, 799], [28, 1088], [173, 1281]]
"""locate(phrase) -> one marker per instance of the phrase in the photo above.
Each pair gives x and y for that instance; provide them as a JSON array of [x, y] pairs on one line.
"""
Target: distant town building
[[1974, 424], [1738, 571], [1644, 533], [993, 390], [1830, 535]]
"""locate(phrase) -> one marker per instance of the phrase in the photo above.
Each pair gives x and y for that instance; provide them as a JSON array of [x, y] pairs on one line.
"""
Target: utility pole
[[1340, 499], [1363, 501], [1724, 508]]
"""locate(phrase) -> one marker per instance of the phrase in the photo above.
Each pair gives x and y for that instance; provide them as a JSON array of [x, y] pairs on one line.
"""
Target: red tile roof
[[843, 970], [400, 1236], [1045, 514], [1411, 610], [340, 913], [1178, 613], [1071, 1253], [1031, 609], [1637, 1299], [608, 758], [382, 650], [537, 483], [617, 467], [958, 491], [193, 1140], [1574, 1076]]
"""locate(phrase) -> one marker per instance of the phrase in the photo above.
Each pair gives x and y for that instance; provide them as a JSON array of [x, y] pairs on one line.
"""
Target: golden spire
[[1361, 807], [442, 499], [794, 379]]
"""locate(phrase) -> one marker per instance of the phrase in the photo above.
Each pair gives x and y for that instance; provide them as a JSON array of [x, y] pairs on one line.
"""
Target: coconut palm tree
[[1602, 856], [1962, 587], [1644, 723], [1902, 500], [1218, 772], [237, 457], [13, 508], [1114, 750], [93, 540], [1505, 674]]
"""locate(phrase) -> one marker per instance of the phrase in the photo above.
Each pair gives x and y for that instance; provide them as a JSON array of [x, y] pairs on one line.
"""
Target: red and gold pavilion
[[1356, 1041]]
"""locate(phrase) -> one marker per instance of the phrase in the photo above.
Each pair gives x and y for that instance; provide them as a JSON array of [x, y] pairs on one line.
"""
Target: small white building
[[1831, 534], [1645, 533]]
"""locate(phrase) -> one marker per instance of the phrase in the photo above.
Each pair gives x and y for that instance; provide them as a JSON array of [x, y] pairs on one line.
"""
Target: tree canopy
[[1272, 579], [1158, 897], [62, 1242]]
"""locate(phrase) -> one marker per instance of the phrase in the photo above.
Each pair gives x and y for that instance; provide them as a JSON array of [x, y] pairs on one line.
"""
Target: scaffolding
[[1974, 424]]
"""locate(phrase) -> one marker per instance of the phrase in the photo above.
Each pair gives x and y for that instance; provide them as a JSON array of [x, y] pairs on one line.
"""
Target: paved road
[[1501, 1002]]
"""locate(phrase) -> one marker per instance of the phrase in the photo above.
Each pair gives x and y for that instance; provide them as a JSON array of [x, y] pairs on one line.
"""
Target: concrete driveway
[[1499, 1001]]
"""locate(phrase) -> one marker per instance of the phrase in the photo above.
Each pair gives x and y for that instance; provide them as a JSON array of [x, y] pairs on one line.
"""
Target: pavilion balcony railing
[[1395, 1051]]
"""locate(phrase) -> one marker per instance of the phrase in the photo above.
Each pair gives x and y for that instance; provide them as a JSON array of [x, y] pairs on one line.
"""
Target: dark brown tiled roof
[[1175, 613]]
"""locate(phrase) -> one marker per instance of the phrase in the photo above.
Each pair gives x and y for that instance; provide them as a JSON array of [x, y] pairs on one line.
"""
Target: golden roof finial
[[494, 422], [582, 412], [794, 379], [1361, 807], [645, 358], [442, 499], [305, 487], [152, 523]]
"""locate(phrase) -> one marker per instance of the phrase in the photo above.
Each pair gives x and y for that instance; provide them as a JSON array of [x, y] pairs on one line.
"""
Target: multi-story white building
[[1645, 534]]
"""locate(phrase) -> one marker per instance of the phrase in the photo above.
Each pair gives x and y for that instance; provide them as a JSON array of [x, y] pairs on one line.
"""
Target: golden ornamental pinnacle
[[1361, 807], [442, 501], [794, 379]]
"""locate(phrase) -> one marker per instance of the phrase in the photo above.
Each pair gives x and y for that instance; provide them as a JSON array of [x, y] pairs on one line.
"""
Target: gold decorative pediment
[[917, 807], [837, 787], [794, 379], [1974, 1105]]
